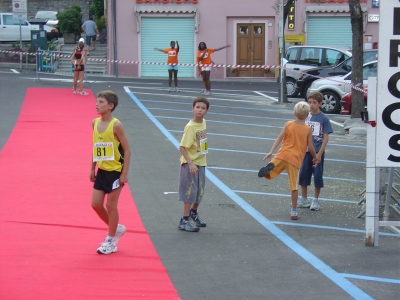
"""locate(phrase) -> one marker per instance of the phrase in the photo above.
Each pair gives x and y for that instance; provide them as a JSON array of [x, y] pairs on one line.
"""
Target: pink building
[[249, 26]]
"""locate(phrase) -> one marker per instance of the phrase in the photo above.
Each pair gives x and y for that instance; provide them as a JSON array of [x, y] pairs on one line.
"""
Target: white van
[[302, 58], [9, 29]]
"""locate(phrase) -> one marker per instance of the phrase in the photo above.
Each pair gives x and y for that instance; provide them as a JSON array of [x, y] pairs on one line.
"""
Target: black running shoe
[[265, 170]]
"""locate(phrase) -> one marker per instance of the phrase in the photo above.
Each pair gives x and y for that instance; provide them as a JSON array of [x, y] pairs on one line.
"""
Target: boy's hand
[[123, 179], [316, 161], [194, 170], [92, 176], [269, 155], [319, 154]]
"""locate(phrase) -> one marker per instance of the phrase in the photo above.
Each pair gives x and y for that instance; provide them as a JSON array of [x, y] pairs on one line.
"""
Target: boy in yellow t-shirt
[[194, 148], [296, 136]]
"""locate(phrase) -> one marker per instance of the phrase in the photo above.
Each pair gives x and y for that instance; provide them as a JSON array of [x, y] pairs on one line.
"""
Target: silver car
[[335, 87], [303, 58]]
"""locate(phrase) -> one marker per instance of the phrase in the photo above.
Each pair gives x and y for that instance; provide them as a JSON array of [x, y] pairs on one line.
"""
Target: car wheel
[[305, 90], [291, 87], [330, 102]]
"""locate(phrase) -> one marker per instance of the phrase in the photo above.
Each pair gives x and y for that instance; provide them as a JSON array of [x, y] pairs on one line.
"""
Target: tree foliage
[[70, 20], [97, 8]]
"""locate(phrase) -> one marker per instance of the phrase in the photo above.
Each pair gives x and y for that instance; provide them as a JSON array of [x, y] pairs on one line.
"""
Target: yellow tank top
[[107, 151]]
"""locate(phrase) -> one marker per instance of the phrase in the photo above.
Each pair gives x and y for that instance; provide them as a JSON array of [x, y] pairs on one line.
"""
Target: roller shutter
[[329, 31], [158, 33]]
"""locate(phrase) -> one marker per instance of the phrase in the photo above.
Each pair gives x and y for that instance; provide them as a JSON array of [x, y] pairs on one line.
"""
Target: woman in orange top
[[204, 58], [172, 63]]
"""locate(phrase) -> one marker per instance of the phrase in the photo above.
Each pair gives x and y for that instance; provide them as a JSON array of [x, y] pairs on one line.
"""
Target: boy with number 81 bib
[[321, 128], [111, 154]]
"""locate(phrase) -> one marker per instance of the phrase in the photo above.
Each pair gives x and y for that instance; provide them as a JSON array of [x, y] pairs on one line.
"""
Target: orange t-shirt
[[207, 57], [172, 55], [294, 144]]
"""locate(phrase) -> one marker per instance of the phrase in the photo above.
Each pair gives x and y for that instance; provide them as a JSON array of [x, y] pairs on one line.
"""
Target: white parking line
[[15, 71], [266, 96]]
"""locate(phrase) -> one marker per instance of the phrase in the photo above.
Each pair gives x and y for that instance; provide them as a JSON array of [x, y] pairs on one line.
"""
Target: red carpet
[[49, 231]]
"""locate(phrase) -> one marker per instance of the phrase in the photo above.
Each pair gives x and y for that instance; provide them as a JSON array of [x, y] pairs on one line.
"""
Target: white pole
[[20, 46], [372, 173]]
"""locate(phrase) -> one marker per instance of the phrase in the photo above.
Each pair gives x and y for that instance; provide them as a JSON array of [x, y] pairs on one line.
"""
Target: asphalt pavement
[[250, 248]]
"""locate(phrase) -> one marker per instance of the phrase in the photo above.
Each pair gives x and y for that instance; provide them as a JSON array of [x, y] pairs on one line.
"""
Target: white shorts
[[206, 68]]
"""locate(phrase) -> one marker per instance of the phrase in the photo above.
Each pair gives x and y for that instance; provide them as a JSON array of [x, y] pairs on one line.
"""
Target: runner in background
[[204, 58], [78, 60], [172, 64]]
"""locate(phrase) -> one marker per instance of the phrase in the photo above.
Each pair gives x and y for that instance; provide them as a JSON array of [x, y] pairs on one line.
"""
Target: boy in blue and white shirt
[[321, 128]]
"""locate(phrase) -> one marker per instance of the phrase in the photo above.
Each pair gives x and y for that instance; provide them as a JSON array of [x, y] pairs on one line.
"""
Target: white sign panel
[[388, 92], [19, 6], [19, 9], [373, 18]]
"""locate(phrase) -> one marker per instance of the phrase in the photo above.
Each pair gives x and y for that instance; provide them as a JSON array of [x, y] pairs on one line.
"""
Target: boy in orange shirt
[[204, 58], [172, 64], [296, 136]]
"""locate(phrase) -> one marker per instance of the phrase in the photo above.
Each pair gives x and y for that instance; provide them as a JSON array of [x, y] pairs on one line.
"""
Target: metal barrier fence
[[57, 54]]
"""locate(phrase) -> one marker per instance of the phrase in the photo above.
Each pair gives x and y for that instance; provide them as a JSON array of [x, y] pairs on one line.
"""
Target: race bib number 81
[[103, 151]]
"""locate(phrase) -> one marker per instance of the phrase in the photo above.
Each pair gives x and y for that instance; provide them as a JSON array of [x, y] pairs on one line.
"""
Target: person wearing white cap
[[78, 59]]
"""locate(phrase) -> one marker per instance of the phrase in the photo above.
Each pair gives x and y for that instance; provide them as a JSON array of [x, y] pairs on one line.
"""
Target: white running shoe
[[177, 90], [202, 91], [303, 202], [169, 90], [206, 93], [121, 229], [107, 247], [314, 205]]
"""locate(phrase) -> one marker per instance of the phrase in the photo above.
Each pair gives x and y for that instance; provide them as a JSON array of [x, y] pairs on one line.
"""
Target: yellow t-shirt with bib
[[194, 139], [107, 151]]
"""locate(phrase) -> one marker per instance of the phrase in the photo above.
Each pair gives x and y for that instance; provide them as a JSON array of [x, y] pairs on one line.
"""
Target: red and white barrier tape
[[266, 67]]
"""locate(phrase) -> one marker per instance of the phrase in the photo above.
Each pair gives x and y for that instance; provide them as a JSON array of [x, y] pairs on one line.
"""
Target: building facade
[[52, 5], [250, 27]]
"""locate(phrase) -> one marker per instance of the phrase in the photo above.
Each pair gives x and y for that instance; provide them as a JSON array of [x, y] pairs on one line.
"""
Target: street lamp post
[[280, 36]]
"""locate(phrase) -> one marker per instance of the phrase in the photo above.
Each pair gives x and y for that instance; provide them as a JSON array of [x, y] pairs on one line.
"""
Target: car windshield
[[46, 15], [367, 57]]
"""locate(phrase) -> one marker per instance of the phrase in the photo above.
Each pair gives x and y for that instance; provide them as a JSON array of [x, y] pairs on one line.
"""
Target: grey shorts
[[191, 187]]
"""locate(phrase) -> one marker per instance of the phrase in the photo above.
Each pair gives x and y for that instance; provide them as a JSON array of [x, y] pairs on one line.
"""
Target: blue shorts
[[173, 68], [307, 170], [89, 39]]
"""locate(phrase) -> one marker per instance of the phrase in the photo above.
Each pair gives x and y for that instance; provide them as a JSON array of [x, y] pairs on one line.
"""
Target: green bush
[[97, 8], [70, 20], [101, 23]]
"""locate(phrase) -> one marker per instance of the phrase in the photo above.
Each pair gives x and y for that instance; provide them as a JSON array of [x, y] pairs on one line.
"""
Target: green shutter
[[158, 33], [329, 31]]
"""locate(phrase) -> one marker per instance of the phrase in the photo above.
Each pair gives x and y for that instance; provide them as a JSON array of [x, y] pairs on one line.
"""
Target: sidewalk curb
[[355, 127]]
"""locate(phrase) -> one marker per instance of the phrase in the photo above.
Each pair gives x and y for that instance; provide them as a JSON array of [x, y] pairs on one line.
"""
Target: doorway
[[250, 48]]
